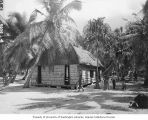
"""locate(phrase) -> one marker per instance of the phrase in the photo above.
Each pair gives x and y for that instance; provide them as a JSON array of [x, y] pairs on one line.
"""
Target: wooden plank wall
[[86, 76], [56, 76], [74, 74], [45, 76], [34, 77], [86, 79]]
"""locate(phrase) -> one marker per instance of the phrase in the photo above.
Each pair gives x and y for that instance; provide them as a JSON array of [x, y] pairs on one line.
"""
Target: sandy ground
[[45, 100]]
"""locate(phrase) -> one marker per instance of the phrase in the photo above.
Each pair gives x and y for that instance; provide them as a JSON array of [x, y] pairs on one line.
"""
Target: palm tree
[[96, 34], [107, 45], [47, 38], [137, 37], [145, 12], [14, 25]]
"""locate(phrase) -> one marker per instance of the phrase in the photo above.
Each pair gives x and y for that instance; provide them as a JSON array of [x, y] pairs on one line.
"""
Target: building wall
[[57, 75], [86, 79], [34, 77], [74, 74]]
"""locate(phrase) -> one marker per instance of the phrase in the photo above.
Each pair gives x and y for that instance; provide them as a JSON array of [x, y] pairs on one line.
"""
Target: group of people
[[110, 82]]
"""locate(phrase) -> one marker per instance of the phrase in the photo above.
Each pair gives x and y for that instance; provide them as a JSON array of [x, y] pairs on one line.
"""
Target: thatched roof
[[75, 55], [86, 58]]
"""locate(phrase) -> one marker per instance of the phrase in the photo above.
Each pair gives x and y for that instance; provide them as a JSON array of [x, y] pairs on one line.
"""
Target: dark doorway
[[39, 78], [67, 75]]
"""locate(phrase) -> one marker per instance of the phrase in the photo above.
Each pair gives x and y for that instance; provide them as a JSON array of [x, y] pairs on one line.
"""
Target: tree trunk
[[118, 71], [26, 73], [39, 78], [97, 76], [31, 70], [28, 77], [146, 76]]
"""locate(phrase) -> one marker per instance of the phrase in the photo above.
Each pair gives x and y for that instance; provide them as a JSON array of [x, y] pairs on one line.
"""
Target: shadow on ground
[[87, 100], [19, 88], [80, 102]]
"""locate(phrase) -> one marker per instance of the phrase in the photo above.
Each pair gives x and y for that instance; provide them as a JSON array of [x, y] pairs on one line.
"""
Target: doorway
[[67, 75]]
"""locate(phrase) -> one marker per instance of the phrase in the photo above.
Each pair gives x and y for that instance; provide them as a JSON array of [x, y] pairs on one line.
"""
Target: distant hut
[[68, 70]]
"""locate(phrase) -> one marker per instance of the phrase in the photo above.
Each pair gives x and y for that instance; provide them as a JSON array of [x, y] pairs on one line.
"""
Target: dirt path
[[44, 100]]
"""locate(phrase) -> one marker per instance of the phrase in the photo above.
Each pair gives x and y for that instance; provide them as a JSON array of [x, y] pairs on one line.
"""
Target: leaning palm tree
[[47, 38]]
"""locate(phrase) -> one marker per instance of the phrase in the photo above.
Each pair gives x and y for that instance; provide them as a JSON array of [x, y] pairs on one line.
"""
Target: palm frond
[[36, 30], [45, 4], [20, 23], [76, 5], [46, 36], [17, 53], [66, 18]]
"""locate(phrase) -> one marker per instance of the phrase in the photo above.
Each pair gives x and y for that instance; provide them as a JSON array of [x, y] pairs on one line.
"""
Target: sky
[[113, 10]]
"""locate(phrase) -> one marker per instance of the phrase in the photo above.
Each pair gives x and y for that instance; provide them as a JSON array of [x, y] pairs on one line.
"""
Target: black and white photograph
[[74, 57]]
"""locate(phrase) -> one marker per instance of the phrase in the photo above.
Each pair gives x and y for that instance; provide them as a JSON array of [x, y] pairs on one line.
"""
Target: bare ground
[[45, 100]]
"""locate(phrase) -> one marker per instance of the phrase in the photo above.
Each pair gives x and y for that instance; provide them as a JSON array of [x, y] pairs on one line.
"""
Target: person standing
[[114, 80]]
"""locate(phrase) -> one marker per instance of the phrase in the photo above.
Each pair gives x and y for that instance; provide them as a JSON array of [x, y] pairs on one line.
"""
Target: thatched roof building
[[68, 69]]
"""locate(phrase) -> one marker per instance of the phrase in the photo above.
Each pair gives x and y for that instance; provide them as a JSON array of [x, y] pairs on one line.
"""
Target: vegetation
[[137, 37], [121, 54], [14, 25], [96, 40], [42, 43], [45, 37]]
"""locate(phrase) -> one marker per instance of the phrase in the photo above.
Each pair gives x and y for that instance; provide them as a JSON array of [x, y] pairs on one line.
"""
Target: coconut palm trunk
[[31, 70], [97, 76], [146, 76], [26, 73], [97, 71]]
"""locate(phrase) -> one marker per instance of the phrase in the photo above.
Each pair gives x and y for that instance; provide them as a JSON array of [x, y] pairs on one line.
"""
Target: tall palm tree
[[137, 37], [107, 45], [96, 34], [47, 38]]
